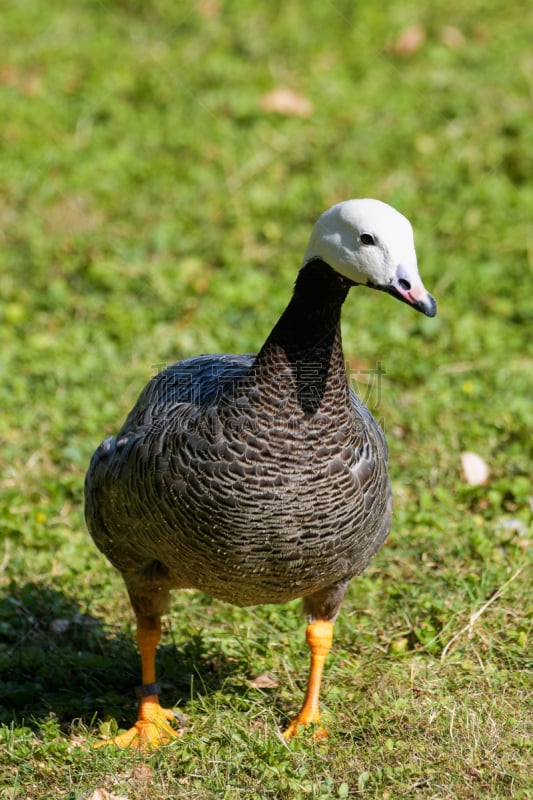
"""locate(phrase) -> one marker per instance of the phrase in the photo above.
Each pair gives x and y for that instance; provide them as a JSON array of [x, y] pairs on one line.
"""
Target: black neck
[[313, 313], [307, 337]]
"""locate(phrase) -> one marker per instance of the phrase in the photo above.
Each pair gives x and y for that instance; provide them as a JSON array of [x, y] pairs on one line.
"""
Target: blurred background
[[162, 164]]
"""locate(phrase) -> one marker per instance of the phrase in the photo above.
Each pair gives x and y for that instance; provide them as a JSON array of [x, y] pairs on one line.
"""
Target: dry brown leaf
[[409, 41], [142, 775], [209, 9], [475, 469], [287, 102], [451, 37], [102, 794], [72, 215], [264, 681], [26, 83]]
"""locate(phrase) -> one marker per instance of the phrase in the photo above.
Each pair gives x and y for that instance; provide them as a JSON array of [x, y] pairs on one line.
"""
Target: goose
[[258, 478]]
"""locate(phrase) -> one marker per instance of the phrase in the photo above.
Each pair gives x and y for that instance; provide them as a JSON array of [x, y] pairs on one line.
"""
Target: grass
[[151, 209]]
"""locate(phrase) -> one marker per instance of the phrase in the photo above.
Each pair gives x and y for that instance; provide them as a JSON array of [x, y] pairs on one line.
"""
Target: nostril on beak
[[404, 284]]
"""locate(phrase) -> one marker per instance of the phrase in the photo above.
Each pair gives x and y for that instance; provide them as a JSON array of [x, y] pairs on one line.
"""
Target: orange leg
[[319, 637], [152, 727]]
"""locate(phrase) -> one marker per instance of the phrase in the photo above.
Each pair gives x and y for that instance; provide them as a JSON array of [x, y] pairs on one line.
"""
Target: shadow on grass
[[53, 658]]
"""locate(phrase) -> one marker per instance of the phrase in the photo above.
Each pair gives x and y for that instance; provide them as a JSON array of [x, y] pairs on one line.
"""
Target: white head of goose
[[372, 244], [258, 478]]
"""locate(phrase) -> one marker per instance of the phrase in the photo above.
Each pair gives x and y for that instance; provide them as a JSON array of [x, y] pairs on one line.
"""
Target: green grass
[[150, 210]]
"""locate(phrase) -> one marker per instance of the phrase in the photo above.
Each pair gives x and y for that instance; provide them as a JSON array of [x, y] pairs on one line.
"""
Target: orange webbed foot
[[301, 721], [151, 730], [308, 716]]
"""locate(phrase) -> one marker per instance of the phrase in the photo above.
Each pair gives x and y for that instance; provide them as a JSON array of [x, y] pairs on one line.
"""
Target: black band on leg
[[147, 689]]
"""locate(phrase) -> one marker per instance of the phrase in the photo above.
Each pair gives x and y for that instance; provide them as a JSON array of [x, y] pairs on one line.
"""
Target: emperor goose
[[258, 478]]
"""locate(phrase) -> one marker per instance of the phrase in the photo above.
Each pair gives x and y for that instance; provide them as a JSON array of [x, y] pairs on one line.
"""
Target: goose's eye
[[367, 238]]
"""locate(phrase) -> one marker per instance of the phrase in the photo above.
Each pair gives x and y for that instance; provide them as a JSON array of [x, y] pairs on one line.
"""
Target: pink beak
[[410, 289]]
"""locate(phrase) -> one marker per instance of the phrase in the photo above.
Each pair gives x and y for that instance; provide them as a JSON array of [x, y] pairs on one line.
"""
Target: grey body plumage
[[256, 479]]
